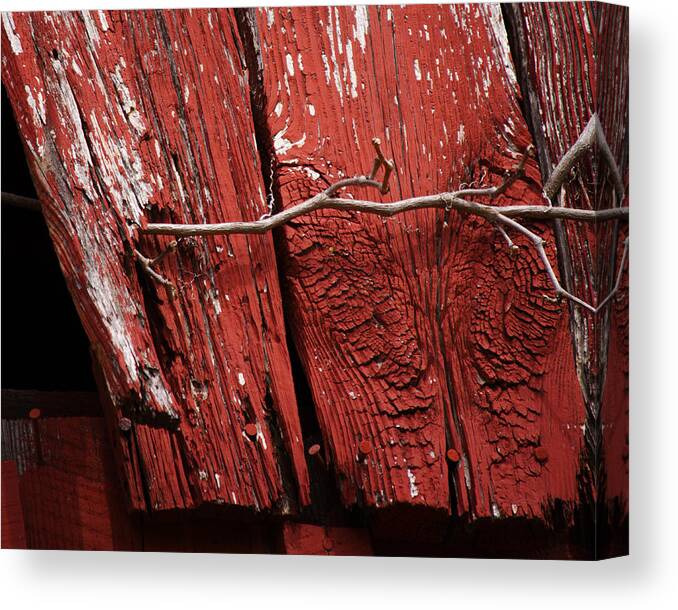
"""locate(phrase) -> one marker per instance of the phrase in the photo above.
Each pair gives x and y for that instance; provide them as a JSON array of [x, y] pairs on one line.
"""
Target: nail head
[[125, 424], [34, 413], [541, 454], [314, 449], [364, 448], [251, 430], [453, 455]]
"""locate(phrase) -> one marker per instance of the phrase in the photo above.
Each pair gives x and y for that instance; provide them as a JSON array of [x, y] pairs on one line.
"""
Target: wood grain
[[68, 487], [575, 64], [131, 116], [418, 334], [13, 529]]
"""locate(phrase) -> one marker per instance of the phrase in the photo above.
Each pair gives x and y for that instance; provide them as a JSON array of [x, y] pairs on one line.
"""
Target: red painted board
[[69, 490], [13, 529], [137, 116], [418, 333], [575, 64], [307, 539]]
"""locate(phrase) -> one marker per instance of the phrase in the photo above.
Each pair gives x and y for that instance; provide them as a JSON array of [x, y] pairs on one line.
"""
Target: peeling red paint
[[13, 529], [576, 64], [442, 380], [69, 496], [420, 326], [306, 539], [134, 115]]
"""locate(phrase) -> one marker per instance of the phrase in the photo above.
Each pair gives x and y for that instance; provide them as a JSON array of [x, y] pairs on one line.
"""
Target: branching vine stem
[[504, 218]]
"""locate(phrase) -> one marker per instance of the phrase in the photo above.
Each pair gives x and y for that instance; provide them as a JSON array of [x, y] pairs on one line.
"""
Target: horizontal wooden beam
[[18, 404], [19, 201]]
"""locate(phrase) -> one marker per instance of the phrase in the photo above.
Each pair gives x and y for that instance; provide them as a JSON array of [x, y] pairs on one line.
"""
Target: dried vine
[[503, 218]]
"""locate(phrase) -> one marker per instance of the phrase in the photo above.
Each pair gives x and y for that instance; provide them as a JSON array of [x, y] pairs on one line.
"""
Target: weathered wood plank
[[418, 334], [17, 404], [135, 116], [68, 486], [613, 107], [574, 64], [13, 529], [307, 539]]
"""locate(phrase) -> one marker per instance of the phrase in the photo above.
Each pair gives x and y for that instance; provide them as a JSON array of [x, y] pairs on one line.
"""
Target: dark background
[[43, 343]]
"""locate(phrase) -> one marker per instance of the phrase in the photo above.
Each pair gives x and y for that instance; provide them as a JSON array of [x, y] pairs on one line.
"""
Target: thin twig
[[389, 166], [620, 274], [18, 201], [513, 249], [456, 200], [448, 201], [509, 178], [591, 136], [147, 265], [171, 247]]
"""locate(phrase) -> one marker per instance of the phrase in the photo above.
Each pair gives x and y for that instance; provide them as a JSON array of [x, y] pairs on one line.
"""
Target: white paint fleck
[[282, 145], [103, 21], [12, 36], [351, 70], [497, 23], [290, 64], [362, 24], [128, 105], [333, 54], [311, 109], [278, 109], [311, 173], [414, 491], [417, 70], [39, 117], [460, 134], [90, 27], [241, 378], [326, 66]]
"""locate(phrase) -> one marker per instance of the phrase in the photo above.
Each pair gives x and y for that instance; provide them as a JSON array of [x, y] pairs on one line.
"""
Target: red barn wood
[[13, 529], [128, 116], [418, 333], [70, 497], [578, 69], [444, 391]]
